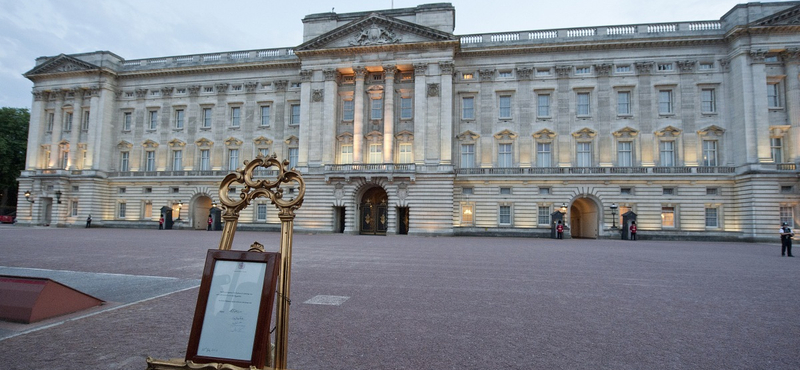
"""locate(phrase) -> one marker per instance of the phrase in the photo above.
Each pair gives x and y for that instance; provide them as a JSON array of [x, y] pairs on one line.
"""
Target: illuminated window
[[405, 153], [375, 153], [667, 217], [346, 156]]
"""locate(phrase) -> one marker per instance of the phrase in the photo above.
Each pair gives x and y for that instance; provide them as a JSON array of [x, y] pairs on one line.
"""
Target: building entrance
[[201, 209], [374, 212], [583, 218]]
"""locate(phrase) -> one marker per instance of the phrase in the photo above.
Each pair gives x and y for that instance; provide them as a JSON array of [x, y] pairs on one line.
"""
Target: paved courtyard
[[402, 302]]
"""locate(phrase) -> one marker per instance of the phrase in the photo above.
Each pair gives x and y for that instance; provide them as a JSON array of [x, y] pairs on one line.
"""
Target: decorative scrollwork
[[254, 188]]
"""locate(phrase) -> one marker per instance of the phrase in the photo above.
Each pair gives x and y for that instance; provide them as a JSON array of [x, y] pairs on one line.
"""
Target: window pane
[[375, 153], [177, 160], [543, 108], [235, 111], [292, 157], [624, 154], [406, 112], [348, 110], [150, 164], [265, 115], [121, 213], [583, 104], [295, 120], [153, 120], [709, 104], [667, 153], [126, 126], [261, 212], [124, 161], [179, 118], [711, 217], [776, 148], [405, 153], [504, 156], [787, 215], [233, 159], [584, 155], [667, 217], [467, 155], [709, 152], [205, 160], [773, 97], [623, 102], [544, 216], [347, 154], [505, 215], [665, 101], [206, 117], [543, 155], [468, 108], [505, 107], [376, 109]]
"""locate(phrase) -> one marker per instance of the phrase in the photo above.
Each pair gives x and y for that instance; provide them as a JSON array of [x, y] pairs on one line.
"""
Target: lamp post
[[563, 207], [58, 196], [180, 205], [613, 215], [28, 197]]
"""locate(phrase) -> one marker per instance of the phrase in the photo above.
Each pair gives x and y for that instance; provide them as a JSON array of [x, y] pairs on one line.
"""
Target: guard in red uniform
[[560, 230], [633, 230]]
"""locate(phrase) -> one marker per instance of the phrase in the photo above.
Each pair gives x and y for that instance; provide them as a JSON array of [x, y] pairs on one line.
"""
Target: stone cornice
[[294, 64], [378, 48], [520, 48]]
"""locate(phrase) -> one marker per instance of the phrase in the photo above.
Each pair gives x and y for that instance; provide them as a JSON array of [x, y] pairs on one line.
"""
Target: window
[[235, 116], [122, 190], [346, 156], [544, 155], [706, 66], [376, 109], [709, 152], [667, 150], [467, 76], [65, 159], [405, 153], [153, 120], [787, 215], [624, 154], [624, 103], [708, 101], [712, 191], [667, 217], [121, 210], [584, 154], [776, 148], [261, 212], [179, 119], [504, 74], [665, 102], [543, 106], [505, 216], [126, 121], [668, 191], [148, 211], [542, 72], [467, 155], [375, 153], [150, 161], [177, 160], [711, 217], [85, 124], [623, 69], [295, 119], [773, 95], [73, 207], [205, 160], [68, 122], [504, 158], [467, 211], [467, 191], [50, 118], [148, 190], [625, 191], [664, 66], [544, 191], [233, 159], [505, 191], [771, 58], [406, 112], [787, 189], [292, 157], [583, 104], [348, 110], [468, 108], [124, 161], [623, 210], [264, 115], [583, 70], [505, 107], [206, 117], [544, 216]]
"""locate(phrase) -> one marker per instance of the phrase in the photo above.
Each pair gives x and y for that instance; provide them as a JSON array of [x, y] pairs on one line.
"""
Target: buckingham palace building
[[399, 126]]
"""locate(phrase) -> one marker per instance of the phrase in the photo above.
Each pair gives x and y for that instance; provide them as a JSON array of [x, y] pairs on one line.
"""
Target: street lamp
[[563, 207], [58, 196], [180, 205], [613, 215], [28, 197]]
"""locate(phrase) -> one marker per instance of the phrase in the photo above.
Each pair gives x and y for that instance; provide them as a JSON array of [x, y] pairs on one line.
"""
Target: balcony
[[594, 170], [370, 170]]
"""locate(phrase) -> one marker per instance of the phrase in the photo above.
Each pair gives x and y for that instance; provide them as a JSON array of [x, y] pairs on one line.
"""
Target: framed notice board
[[234, 308]]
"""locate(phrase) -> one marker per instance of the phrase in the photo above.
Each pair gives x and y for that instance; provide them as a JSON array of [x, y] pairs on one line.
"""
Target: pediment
[[62, 64], [124, 145], [374, 30], [544, 134], [262, 141], [175, 143], [712, 130], [467, 136], [584, 134], [669, 131], [505, 135], [626, 132], [788, 17]]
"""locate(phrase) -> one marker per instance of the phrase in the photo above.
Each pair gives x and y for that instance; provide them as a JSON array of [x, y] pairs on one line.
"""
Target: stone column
[[760, 110], [37, 128], [358, 116], [329, 119], [77, 111], [644, 110], [420, 111], [792, 58], [388, 114], [305, 117], [446, 113], [58, 123], [689, 145]]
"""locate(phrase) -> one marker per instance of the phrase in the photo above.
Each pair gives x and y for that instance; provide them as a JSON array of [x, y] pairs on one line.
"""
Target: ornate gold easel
[[253, 189]]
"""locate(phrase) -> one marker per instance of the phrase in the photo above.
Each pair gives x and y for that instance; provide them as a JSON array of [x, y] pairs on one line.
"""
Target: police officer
[[786, 240]]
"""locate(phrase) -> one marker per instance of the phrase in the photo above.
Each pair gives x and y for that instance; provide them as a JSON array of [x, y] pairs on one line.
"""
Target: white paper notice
[[229, 326]]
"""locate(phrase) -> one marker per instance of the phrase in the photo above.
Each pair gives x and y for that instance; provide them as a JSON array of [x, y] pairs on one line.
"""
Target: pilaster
[[329, 120], [306, 126], [358, 115], [446, 134], [420, 111], [77, 125], [388, 114]]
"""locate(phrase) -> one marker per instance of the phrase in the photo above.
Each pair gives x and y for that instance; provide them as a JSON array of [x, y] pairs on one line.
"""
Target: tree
[[13, 147]]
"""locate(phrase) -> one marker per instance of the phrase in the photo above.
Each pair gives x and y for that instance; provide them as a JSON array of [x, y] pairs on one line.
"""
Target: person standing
[[633, 230], [161, 223], [89, 221], [560, 230], [786, 240], [210, 220]]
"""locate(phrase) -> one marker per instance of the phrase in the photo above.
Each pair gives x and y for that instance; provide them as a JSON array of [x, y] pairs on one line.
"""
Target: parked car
[[9, 219]]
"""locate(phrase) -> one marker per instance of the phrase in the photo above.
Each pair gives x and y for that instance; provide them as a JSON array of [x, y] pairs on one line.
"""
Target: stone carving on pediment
[[778, 131], [446, 67], [373, 34], [63, 144], [544, 135], [203, 142], [686, 65], [374, 136], [68, 67], [468, 136], [194, 90], [167, 90], [402, 190], [141, 93], [668, 131], [175, 143], [82, 146], [221, 88], [338, 191], [330, 74], [345, 138], [420, 69], [486, 74], [524, 73], [404, 136], [725, 64], [433, 89], [150, 144], [625, 133], [93, 91], [375, 92], [787, 17], [305, 75], [563, 71], [758, 56], [37, 95], [58, 94], [280, 85], [791, 55], [644, 68], [316, 95], [505, 135], [262, 141], [250, 86], [602, 69], [232, 141], [712, 130], [584, 134], [124, 145], [292, 140], [117, 94]]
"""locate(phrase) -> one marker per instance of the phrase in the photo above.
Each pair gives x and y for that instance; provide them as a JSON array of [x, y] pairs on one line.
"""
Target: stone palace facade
[[399, 126]]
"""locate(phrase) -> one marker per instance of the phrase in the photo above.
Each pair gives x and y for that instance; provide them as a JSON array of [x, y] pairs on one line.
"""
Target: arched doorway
[[201, 207], [374, 212], [583, 219]]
